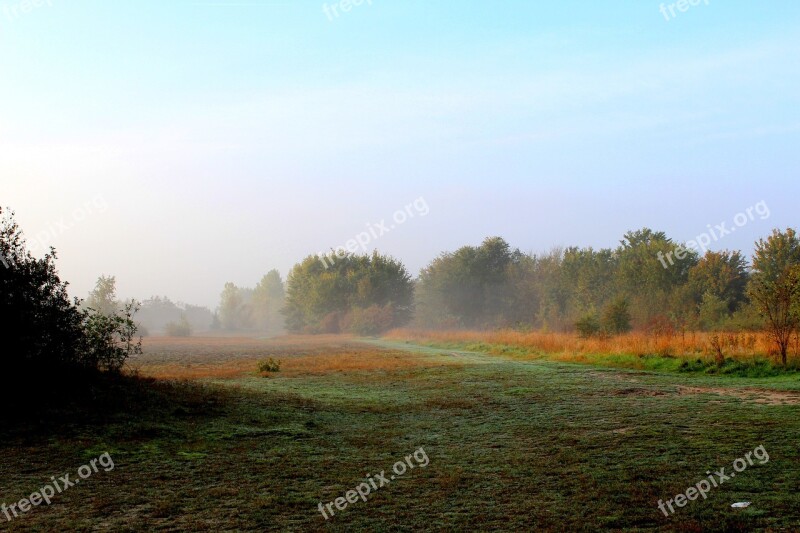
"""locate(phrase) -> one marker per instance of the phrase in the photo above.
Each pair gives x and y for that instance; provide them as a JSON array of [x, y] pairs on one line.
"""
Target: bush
[[660, 326], [49, 332], [329, 323], [373, 320], [588, 326], [110, 339], [270, 365], [179, 329], [616, 317]]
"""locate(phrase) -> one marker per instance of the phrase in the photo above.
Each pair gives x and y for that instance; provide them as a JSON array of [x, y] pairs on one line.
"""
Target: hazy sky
[[181, 144]]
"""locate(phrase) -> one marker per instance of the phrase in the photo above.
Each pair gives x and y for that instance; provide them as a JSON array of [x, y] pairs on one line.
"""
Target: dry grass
[[228, 358], [569, 347]]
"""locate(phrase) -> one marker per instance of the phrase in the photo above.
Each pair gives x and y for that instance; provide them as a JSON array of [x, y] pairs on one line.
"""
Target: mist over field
[[227, 139], [368, 264]]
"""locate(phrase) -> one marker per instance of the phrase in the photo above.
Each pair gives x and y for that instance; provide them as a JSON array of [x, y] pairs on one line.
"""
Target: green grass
[[513, 445], [753, 367]]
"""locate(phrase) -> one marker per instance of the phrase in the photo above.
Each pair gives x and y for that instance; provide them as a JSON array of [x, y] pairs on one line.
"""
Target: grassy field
[[745, 354], [204, 442]]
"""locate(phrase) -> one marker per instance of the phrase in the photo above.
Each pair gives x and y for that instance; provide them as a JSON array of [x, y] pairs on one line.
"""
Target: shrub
[[660, 326], [49, 332], [588, 326], [110, 339], [329, 323], [616, 317], [372, 320], [270, 365], [179, 329]]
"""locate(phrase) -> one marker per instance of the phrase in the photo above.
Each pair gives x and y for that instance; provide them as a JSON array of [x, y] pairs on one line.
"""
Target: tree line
[[592, 292]]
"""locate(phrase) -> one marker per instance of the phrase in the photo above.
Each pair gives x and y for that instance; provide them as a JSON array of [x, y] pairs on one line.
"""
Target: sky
[[179, 144]]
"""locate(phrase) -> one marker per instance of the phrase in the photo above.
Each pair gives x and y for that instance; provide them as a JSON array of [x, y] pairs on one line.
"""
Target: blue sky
[[228, 138]]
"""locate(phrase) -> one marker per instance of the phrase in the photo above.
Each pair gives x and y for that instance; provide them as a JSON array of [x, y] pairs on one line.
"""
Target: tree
[[775, 285], [588, 326], [267, 302], [651, 266], [235, 312], [320, 298], [713, 311], [182, 328], [587, 276], [37, 317], [616, 317], [103, 298], [157, 313], [471, 283], [109, 340], [723, 275]]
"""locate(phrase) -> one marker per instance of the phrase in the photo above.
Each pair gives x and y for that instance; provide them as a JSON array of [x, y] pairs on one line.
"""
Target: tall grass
[[690, 346]]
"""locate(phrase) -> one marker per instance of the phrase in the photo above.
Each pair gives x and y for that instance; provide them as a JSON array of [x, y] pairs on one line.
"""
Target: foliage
[[181, 328], [267, 302], [252, 309], [647, 280], [270, 365], [157, 313], [722, 275], [234, 311], [372, 320], [49, 332], [109, 340], [775, 285], [37, 316], [469, 283], [616, 317], [103, 298], [588, 326], [319, 299], [713, 312]]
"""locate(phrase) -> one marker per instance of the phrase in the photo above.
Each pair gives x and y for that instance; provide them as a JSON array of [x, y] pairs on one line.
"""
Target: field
[[204, 442], [745, 353]]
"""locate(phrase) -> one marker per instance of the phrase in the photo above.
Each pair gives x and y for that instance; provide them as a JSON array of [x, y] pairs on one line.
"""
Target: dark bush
[[588, 326], [43, 330]]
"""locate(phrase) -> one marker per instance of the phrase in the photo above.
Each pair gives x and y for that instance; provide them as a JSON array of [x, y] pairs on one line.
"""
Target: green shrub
[[270, 365], [587, 326], [616, 317], [49, 332], [110, 339]]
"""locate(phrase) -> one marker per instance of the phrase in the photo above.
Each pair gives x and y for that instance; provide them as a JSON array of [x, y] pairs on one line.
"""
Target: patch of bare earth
[[762, 396]]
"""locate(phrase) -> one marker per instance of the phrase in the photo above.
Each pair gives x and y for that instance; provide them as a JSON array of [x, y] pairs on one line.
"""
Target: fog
[[182, 146]]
